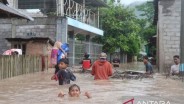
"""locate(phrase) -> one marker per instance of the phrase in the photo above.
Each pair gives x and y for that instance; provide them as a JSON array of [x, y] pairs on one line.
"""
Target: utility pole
[[182, 41]]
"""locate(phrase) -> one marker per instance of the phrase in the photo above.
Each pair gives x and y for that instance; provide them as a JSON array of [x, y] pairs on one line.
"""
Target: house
[[6, 27], [167, 18], [61, 20]]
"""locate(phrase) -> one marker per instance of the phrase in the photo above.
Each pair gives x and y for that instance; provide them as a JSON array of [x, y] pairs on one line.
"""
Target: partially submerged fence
[[81, 47], [18, 65]]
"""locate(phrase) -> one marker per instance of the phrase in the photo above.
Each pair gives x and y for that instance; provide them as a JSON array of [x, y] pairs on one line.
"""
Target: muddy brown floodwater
[[37, 88]]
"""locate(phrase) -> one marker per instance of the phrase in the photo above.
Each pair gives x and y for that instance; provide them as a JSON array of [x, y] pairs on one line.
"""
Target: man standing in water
[[149, 68], [101, 68]]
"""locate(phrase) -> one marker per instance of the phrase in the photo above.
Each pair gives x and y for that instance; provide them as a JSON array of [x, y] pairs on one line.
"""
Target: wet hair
[[145, 57], [64, 60], [72, 86], [86, 55], [176, 56]]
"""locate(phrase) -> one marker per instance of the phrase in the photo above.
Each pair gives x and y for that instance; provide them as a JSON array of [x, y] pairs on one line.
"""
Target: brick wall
[[40, 27], [22, 28], [168, 32], [36, 48]]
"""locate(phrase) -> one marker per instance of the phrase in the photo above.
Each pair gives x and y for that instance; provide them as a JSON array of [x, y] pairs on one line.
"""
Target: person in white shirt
[[175, 68]]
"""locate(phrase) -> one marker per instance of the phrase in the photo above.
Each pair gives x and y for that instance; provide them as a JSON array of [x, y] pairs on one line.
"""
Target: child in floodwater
[[74, 91], [64, 75]]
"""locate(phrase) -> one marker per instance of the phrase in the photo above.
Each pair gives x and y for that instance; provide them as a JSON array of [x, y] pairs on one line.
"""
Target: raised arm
[[63, 51], [88, 95], [61, 94]]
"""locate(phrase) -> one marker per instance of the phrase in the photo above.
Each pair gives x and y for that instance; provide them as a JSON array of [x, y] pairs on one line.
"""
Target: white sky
[[127, 2]]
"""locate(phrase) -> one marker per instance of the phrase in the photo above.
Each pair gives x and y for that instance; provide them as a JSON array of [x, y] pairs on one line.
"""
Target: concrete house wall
[[21, 28], [5, 32], [169, 16]]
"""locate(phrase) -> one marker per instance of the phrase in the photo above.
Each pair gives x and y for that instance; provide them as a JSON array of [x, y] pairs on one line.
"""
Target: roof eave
[[15, 12]]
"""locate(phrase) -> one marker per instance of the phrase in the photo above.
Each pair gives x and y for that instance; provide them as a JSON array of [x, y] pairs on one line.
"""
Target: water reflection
[[39, 89]]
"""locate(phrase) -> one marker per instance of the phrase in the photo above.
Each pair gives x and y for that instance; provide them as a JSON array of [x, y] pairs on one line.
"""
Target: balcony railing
[[78, 12]]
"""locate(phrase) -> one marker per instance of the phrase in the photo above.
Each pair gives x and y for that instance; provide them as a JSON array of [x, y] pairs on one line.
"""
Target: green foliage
[[134, 43], [148, 10], [80, 37], [121, 30], [148, 30]]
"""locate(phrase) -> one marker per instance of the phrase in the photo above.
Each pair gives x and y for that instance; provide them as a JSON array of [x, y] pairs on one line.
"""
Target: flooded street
[[37, 88]]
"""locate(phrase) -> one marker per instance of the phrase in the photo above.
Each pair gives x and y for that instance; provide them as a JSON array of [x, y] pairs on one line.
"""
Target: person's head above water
[[145, 59], [103, 57], [74, 90], [86, 55], [176, 59], [63, 63]]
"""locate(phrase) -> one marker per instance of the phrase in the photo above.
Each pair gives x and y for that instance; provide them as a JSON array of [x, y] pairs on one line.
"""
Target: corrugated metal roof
[[13, 12]]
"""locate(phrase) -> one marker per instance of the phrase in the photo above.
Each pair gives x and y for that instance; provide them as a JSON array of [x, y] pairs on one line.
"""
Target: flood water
[[37, 88]]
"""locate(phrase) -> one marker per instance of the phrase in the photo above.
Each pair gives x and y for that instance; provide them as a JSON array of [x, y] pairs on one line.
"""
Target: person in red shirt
[[101, 68]]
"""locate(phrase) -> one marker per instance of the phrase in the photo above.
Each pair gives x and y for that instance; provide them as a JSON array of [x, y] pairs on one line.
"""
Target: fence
[[79, 12], [72, 9], [81, 47], [17, 65]]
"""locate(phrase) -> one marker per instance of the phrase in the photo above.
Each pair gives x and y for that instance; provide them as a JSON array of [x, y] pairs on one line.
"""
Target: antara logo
[[153, 102]]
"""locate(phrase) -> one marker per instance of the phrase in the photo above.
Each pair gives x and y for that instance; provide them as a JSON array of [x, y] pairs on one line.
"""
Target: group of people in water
[[63, 73], [101, 68]]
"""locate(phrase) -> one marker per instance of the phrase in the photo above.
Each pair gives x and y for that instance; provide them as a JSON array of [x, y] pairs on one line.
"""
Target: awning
[[6, 11]]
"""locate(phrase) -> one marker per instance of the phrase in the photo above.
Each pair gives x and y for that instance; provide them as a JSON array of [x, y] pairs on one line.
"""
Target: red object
[[86, 64], [131, 101]]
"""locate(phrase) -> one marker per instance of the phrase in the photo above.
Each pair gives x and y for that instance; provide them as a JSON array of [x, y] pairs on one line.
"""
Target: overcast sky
[[127, 2]]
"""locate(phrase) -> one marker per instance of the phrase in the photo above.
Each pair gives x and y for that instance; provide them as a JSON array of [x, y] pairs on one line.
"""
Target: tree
[[148, 30], [148, 11], [120, 30]]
